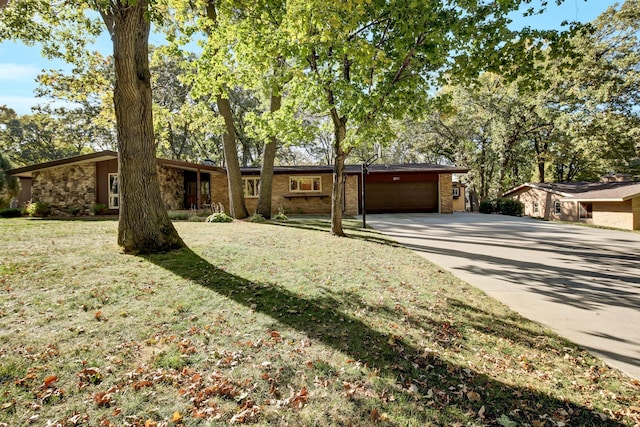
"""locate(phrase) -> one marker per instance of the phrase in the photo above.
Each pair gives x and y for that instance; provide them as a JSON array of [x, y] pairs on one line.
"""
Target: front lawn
[[273, 325]]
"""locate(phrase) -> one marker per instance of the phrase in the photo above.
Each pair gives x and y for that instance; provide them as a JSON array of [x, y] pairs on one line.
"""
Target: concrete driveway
[[584, 283]]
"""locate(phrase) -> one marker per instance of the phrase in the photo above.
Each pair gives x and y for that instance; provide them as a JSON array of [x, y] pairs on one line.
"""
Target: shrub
[[74, 210], [256, 217], [178, 216], [219, 217], [487, 207], [11, 213], [281, 216], [38, 209], [509, 207], [99, 209]]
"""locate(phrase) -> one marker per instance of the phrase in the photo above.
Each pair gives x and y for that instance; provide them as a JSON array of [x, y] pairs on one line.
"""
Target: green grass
[[273, 324]]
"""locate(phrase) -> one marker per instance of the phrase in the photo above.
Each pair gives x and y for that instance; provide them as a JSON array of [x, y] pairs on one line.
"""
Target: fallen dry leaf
[[50, 380], [176, 418]]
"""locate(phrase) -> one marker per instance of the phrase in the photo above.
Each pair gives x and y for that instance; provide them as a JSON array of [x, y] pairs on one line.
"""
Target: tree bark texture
[[337, 194], [266, 171], [144, 225], [237, 207]]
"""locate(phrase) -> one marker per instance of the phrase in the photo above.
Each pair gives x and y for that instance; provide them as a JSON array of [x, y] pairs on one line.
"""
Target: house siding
[[25, 191], [66, 188], [459, 203], [219, 190], [546, 205], [307, 203], [614, 214]]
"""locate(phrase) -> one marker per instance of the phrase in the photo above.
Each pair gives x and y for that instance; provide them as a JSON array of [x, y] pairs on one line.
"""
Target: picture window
[[299, 184]]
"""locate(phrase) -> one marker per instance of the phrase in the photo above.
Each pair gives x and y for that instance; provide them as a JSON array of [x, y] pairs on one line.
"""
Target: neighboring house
[[79, 183], [614, 202], [459, 197]]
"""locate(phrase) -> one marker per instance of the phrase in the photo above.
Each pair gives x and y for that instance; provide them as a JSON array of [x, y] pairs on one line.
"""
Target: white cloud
[[17, 72]]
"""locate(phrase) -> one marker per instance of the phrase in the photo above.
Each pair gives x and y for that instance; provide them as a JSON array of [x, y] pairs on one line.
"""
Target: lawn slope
[[273, 325]]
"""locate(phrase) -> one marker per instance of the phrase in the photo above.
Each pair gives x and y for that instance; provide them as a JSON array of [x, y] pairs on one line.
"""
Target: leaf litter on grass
[[272, 325]]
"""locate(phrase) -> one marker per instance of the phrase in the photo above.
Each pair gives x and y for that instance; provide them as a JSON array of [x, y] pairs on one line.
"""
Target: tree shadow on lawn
[[425, 380]]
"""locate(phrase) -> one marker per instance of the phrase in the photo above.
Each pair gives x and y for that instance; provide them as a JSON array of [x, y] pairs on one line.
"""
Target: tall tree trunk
[[144, 225], [268, 159], [237, 207], [337, 194]]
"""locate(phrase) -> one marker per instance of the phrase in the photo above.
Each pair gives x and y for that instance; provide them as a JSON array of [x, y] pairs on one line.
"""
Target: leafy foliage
[[10, 213], [510, 207], [38, 209], [219, 217]]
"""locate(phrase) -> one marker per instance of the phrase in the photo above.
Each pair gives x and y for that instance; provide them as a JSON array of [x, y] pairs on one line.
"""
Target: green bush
[[38, 209], [256, 218], [219, 217], [509, 207], [178, 216], [487, 207], [11, 213], [281, 215], [100, 209], [74, 210]]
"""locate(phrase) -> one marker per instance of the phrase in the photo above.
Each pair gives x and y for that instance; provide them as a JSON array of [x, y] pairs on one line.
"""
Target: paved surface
[[582, 282]]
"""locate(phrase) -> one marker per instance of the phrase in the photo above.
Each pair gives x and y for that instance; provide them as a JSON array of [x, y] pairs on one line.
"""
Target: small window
[[456, 192], [114, 198], [536, 207], [557, 208], [251, 187], [305, 184]]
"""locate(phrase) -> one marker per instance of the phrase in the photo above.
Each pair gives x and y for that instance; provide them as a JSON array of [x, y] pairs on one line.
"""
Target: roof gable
[[26, 171], [585, 190]]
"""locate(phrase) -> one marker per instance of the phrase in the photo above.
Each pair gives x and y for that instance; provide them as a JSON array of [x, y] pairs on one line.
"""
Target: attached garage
[[408, 193], [410, 188]]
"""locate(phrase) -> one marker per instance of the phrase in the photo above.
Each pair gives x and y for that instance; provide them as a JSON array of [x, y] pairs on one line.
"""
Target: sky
[[19, 64]]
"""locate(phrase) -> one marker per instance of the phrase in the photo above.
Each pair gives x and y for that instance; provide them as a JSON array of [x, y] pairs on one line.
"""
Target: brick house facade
[[76, 185]]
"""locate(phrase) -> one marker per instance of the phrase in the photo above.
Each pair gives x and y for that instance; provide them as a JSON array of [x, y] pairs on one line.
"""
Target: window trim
[[256, 186], [557, 207], [536, 207], [456, 192], [298, 178], [110, 194]]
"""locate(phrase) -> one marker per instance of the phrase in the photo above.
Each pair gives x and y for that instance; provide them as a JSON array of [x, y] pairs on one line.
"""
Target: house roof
[[356, 169], [586, 191], [26, 172]]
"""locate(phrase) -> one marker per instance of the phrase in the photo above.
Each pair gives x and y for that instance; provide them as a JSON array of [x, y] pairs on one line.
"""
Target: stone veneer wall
[[67, 189], [171, 182]]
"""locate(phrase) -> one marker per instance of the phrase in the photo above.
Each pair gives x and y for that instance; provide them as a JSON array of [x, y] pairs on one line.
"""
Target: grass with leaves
[[273, 324]]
